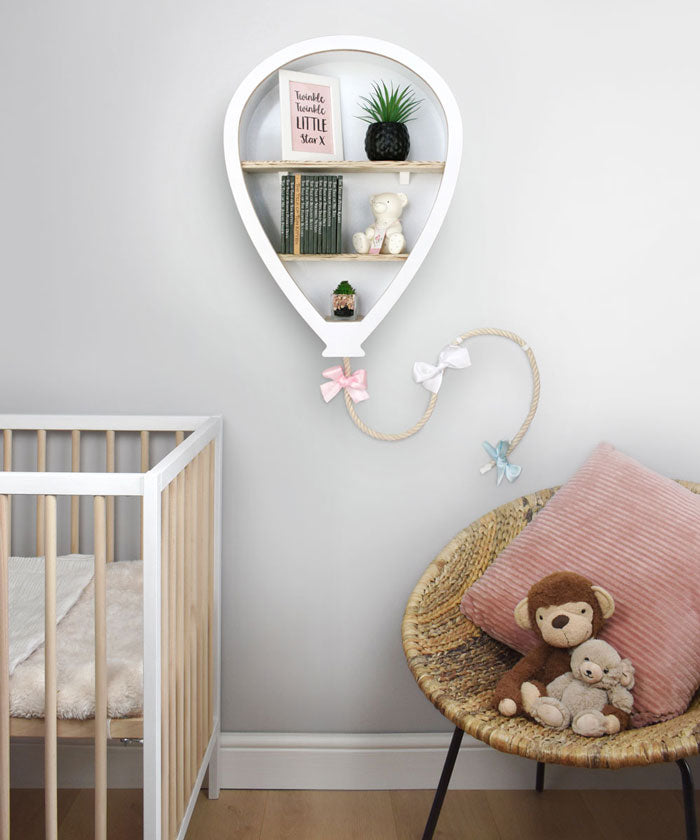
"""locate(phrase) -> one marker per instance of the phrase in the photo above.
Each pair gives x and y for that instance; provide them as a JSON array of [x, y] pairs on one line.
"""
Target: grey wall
[[129, 285]]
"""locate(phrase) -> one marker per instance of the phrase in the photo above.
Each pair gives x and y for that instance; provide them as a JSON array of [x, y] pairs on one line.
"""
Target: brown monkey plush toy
[[564, 609]]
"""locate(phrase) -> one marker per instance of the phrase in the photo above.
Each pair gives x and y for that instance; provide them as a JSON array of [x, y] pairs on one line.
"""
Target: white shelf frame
[[341, 339]]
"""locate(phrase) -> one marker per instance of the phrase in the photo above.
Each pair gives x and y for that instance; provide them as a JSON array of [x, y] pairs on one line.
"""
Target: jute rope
[[373, 433]]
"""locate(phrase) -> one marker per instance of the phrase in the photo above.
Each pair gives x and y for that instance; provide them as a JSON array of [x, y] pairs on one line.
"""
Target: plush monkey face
[[565, 609], [565, 625], [597, 663]]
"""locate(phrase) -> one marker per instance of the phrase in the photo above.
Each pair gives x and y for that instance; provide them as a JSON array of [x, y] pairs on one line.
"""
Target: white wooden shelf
[[252, 142], [347, 257], [393, 166]]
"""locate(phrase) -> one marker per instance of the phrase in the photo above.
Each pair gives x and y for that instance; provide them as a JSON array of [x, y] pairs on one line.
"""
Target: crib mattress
[[75, 663]]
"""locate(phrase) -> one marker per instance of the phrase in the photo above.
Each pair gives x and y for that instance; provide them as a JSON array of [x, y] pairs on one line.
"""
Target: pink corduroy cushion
[[635, 533]]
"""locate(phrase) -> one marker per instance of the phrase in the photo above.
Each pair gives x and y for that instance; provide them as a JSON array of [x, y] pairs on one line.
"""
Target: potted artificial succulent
[[343, 301], [387, 110]]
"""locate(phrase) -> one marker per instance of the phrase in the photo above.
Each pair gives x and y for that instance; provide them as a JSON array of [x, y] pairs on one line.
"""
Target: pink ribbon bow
[[355, 384]]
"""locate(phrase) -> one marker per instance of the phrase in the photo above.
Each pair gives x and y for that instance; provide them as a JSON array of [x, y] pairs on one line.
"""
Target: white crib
[[180, 542]]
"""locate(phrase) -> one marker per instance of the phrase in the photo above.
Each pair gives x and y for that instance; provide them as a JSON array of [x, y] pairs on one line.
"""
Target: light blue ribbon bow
[[504, 467]]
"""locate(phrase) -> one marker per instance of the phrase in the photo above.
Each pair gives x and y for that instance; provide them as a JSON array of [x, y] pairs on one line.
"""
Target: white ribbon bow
[[430, 376]]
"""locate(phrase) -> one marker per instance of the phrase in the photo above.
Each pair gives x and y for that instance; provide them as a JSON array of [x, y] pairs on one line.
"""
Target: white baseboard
[[341, 762], [402, 761]]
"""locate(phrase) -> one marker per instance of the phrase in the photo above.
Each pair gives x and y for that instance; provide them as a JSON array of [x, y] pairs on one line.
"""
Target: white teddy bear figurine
[[387, 209], [585, 696]]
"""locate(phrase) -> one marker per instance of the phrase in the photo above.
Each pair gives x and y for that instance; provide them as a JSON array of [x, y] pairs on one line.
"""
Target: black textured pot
[[387, 141]]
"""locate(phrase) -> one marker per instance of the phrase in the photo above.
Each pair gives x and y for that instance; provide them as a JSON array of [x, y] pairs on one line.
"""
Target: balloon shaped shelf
[[253, 145], [277, 106]]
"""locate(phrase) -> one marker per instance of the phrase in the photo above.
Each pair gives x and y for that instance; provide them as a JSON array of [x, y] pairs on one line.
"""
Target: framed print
[[310, 112]]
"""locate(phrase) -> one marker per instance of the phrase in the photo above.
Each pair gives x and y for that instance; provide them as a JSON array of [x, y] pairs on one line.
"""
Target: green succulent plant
[[344, 288], [389, 104]]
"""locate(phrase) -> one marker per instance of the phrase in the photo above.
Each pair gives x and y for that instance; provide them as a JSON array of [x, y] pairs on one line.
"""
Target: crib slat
[[110, 441], [145, 466], [40, 500], [165, 661], [205, 600], [210, 564], [192, 624], [145, 451], [181, 710], [50, 758], [4, 675], [202, 600], [188, 625], [75, 500], [7, 450], [172, 662], [7, 467], [179, 437], [100, 526]]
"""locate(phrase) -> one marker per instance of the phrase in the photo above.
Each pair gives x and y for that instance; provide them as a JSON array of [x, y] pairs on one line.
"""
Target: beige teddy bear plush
[[387, 209], [599, 679]]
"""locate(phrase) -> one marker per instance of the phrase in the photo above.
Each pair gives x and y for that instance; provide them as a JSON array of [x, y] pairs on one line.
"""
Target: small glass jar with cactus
[[344, 301], [387, 110]]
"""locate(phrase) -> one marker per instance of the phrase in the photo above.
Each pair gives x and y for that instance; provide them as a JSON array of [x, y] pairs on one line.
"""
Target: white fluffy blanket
[[26, 598], [75, 654]]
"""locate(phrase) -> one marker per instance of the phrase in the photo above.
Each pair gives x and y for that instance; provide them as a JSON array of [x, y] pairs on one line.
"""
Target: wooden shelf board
[[344, 165], [331, 320], [355, 257]]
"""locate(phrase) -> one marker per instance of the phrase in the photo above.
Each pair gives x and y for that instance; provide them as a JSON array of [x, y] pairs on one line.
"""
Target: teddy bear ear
[[403, 198], [522, 615], [627, 678], [605, 599]]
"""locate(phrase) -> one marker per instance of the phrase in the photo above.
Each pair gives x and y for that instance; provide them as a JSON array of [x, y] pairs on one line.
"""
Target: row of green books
[[312, 214]]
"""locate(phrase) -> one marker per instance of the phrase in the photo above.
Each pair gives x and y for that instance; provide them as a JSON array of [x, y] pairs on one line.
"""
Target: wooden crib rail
[[101, 422], [187, 626], [40, 499], [4, 673], [7, 467], [101, 727], [109, 483], [50, 735], [181, 641]]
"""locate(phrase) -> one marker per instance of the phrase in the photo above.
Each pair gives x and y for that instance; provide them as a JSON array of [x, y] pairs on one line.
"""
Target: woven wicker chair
[[457, 667]]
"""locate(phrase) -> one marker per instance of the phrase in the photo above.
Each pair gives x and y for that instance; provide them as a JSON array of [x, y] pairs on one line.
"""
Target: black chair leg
[[539, 778], [447, 769], [691, 823]]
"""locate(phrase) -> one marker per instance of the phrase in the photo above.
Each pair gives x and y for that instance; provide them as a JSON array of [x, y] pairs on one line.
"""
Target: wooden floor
[[377, 815]]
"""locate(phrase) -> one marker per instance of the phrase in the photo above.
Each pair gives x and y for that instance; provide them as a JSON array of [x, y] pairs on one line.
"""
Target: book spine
[[321, 180], [314, 215], [283, 212], [319, 214], [306, 187], [310, 215], [339, 222], [289, 220], [327, 215], [306, 213], [290, 215], [303, 246], [307, 218], [322, 215], [334, 215], [319, 221], [297, 214]]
